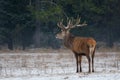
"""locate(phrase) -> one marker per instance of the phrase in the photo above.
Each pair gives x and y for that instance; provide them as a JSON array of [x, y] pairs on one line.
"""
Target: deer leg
[[93, 61], [76, 57], [92, 64], [89, 61], [80, 58]]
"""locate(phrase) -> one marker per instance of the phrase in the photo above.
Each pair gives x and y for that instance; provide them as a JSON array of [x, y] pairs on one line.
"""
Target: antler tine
[[70, 23], [84, 24], [60, 24], [77, 22]]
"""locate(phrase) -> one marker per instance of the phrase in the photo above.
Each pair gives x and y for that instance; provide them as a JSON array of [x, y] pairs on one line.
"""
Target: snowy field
[[57, 66]]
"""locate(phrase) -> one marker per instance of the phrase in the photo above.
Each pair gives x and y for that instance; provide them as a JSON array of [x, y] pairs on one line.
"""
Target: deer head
[[70, 24]]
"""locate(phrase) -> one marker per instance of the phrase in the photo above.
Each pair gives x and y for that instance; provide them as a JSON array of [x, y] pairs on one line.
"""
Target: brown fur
[[81, 46]]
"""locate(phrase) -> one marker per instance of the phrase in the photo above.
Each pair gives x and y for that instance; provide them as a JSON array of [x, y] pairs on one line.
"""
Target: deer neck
[[68, 39]]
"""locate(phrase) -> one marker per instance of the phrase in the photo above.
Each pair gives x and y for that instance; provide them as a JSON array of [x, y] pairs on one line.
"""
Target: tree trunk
[[23, 46], [10, 44], [110, 37], [37, 25]]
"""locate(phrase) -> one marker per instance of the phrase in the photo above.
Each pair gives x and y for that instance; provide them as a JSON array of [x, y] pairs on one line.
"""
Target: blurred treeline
[[32, 23]]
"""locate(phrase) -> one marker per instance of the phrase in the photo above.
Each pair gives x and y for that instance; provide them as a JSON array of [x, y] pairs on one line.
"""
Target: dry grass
[[60, 62], [108, 49], [50, 50]]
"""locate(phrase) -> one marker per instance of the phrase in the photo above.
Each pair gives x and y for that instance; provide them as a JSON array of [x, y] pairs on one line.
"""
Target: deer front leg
[[80, 58], [76, 57], [93, 60]]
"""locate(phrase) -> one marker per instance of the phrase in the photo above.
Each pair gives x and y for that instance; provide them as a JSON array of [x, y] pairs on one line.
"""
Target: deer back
[[83, 45]]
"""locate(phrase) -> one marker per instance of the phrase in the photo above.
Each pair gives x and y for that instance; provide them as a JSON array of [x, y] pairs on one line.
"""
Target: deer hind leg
[[92, 51], [93, 60], [93, 63], [89, 61]]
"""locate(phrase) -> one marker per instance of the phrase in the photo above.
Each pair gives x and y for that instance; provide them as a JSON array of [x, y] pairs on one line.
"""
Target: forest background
[[33, 23]]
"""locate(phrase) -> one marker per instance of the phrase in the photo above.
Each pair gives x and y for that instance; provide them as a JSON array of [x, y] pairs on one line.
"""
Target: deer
[[80, 46]]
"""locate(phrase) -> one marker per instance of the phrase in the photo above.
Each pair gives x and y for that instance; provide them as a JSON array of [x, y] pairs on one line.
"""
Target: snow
[[93, 76], [57, 66]]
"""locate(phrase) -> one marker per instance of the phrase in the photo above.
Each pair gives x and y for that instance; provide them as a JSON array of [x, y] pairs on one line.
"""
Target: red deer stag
[[79, 45]]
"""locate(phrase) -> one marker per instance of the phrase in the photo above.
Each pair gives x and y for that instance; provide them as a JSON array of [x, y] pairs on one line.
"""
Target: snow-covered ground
[[57, 66]]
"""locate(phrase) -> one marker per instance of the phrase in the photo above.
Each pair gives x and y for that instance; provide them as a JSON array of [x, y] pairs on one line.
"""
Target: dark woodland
[[33, 23]]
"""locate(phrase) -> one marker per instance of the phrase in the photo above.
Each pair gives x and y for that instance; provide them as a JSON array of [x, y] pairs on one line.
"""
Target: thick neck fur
[[68, 39]]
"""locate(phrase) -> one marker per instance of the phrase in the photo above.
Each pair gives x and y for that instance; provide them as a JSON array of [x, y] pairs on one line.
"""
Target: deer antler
[[83, 24], [70, 24], [60, 25], [77, 24]]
